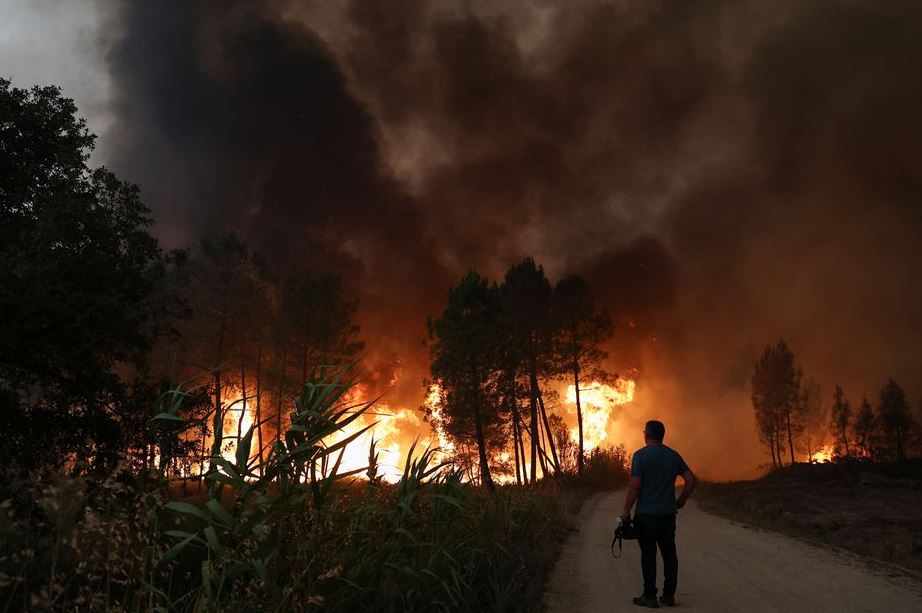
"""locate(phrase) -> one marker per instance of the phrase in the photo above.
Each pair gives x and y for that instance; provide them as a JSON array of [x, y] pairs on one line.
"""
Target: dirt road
[[723, 566]]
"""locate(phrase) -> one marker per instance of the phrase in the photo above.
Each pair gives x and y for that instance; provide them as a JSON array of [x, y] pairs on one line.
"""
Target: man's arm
[[690, 482], [633, 492]]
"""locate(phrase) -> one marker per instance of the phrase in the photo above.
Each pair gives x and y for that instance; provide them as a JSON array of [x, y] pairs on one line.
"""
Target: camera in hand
[[624, 530]]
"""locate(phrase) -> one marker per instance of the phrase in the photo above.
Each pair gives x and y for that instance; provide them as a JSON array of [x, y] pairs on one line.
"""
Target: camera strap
[[617, 539]]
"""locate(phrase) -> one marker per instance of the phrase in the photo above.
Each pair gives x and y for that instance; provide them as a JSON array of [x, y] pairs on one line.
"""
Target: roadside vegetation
[[871, 509]]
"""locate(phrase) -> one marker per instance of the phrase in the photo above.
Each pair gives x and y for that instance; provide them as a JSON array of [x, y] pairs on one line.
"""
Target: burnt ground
[[874, 510]]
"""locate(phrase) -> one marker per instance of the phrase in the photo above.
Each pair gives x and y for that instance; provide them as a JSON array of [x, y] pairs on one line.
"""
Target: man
[[653, 473]]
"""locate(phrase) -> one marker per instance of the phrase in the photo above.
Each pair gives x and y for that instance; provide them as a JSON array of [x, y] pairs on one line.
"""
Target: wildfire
[[597, 401], [392, 430], [823, 455], [433, 400]]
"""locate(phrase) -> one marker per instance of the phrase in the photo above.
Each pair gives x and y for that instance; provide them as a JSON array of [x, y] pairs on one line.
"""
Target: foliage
[[863, 429], [463, 346], [895, 419], [841, 419], [581, 330], [775, 397], [78, 272], [524, 335]]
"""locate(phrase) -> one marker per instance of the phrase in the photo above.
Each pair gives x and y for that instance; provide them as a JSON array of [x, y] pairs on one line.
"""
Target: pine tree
[[841, 419], [863, 429], [463, 349], [895, 418], [582, 329], [775, 388]]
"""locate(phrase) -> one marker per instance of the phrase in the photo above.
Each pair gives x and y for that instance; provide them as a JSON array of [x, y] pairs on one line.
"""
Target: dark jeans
[[653, 530]]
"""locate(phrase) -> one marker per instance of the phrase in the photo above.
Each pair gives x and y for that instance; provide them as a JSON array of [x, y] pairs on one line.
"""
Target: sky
[[724, 174]]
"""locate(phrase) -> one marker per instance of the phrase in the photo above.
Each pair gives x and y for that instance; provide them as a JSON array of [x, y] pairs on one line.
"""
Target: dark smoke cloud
[[724, 173]]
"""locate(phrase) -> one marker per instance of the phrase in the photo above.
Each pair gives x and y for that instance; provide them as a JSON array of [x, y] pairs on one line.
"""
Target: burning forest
[[351, 306]]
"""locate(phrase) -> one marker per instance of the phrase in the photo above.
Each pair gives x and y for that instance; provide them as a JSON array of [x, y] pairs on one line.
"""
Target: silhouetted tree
[[841, 419], [527, 305], [462, 346], [78, 272], [582, 329], [895, 418], [775, 398], [863, 429]]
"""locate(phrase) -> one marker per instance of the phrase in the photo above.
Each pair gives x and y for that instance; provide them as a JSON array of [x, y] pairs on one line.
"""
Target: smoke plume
[[722, 173]]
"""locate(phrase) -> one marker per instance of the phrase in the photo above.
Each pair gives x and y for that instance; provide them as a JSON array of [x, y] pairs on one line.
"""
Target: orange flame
[[393, 433], [823, 455], [597, 401]]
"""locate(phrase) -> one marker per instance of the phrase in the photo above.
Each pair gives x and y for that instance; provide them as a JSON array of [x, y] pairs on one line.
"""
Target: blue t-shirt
[[658, 466]]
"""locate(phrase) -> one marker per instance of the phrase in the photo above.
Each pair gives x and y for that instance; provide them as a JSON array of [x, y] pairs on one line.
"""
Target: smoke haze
[[722, 173]]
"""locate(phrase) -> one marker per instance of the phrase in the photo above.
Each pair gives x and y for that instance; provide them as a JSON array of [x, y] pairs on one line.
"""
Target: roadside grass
[[869, 509]]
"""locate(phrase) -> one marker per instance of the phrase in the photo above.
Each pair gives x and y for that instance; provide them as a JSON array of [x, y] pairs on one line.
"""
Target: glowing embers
[[597, 401]]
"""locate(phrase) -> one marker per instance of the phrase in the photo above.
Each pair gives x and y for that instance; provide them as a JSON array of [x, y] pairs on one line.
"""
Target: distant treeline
[[794, 419]]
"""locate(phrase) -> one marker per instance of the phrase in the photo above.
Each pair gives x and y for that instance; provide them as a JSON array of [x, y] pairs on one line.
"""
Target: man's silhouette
[[653, 473]]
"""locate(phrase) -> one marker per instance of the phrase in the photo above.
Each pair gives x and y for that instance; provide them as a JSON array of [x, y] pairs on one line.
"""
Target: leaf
[[218, 511], [166, 417], [221, 478], [182, 534], [176, 549], [243, 450], [212, 538], [188, 509]]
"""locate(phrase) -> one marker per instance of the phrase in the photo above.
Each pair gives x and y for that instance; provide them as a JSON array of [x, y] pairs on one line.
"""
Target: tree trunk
[[778, 446], [533, 410], [218, 421], [550, 435], [243, 399], [790, 435], [485, 476], [542, 454], [259, 418], [845, 442], [579, 416], [278, 400], [522, 429], [771, 446], [515, 447]]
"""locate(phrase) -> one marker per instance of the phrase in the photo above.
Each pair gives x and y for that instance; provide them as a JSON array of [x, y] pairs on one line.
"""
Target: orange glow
[[433, 399], [823, 455], [236, 410], [597, 401], [393, 431]]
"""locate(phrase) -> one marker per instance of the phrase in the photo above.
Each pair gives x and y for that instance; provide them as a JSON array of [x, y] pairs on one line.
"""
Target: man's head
[[654, 431]]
